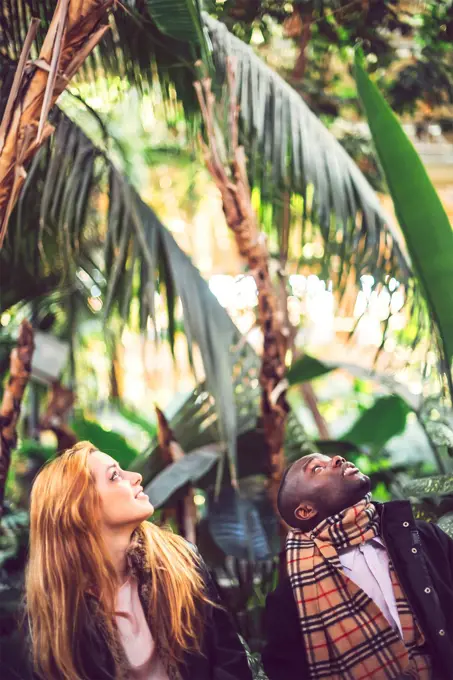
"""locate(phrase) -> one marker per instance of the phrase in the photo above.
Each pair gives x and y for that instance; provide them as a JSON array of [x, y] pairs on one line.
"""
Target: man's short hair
[[285, 505]]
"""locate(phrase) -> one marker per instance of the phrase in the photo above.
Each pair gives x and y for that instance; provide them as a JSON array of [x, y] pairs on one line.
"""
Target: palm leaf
[[136, 241], [180, 19], [135, 50], [422, 217], [291, 152]]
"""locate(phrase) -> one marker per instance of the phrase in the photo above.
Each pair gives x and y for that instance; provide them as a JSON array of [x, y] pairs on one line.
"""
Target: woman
[[111, 596]]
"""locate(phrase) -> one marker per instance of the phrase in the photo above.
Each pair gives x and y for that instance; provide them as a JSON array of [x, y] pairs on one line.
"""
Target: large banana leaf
[[422, 217]]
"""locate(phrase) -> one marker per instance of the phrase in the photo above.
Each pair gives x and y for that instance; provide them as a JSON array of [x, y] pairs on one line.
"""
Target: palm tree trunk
[[20, 368], [75, 30], [231, 180], [171, 451], [61, 401]]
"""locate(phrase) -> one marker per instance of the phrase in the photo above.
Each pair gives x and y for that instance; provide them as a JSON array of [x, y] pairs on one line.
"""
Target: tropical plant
[[334, 195], [429, 238], [421, 215], [20, 367], [73, 33]]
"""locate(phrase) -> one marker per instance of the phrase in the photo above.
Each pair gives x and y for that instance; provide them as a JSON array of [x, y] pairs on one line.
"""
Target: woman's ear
[[305, 511]]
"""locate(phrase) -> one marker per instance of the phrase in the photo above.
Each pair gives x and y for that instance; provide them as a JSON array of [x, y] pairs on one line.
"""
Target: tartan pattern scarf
[[346, 636]]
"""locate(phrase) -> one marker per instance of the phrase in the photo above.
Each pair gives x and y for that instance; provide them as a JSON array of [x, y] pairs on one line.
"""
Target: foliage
[[309, 368], [385, 419], [432, 498], [428, 77], [336, 26], [188, 470], [237, 527], [291, 152], [13, 535], [61, 194], [104, 440], [421, 215], [134, 52]]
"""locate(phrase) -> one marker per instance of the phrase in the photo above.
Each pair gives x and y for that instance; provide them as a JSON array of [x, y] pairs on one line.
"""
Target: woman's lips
[[141, 495]]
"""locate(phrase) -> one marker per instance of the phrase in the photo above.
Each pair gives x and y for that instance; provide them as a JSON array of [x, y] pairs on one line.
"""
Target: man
[[368, 591]]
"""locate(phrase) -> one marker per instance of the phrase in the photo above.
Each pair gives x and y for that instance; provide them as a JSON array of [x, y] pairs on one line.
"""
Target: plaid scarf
[[346, 636]]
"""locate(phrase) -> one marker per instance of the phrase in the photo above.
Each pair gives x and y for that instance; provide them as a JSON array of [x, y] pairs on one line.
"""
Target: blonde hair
[[68, 559]]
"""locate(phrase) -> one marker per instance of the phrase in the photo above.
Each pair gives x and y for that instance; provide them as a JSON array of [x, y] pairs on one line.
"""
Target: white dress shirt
[[367, 565]]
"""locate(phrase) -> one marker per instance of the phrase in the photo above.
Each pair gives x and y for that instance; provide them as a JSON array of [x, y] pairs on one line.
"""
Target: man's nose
[[337, 461]]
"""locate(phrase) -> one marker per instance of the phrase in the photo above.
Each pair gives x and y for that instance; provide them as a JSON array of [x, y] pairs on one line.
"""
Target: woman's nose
[[138, 478], [337, 461]]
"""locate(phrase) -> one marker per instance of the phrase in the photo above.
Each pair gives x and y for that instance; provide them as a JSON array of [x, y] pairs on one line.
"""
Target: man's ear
[[305, 511]]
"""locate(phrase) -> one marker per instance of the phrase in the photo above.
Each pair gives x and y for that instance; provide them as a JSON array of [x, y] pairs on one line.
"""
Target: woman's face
[[122, 499]]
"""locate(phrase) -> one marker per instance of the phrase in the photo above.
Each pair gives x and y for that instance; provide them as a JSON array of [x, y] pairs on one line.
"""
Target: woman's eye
[[115, 476]]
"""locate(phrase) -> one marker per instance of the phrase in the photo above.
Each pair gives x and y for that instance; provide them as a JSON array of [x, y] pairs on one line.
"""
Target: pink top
[[367, 565], [135, 635]]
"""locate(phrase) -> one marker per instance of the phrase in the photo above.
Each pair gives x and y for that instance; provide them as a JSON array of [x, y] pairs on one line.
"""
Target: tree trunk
[[20, 367], [60, 403], [75, 30], [231, 180], [171, 451]]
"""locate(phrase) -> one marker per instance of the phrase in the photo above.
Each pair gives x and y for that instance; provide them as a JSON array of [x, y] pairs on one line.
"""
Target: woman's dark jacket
[[222, 655], [423, 558]]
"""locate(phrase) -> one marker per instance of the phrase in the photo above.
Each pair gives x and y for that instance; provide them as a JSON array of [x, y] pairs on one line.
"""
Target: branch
[[186, 512], [75, 30], [20, 368]]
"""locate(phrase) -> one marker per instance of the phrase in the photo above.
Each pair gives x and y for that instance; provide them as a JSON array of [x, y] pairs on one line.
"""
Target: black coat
[[423, 558], [223, 657]]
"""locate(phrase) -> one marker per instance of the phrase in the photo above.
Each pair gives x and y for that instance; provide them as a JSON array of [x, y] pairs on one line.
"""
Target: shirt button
[[427, 591], [405, 524], [313, 536], [442, 632], [414, 550]]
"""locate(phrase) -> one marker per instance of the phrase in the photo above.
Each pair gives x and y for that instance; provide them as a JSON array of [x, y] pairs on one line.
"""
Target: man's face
[[327, 485]]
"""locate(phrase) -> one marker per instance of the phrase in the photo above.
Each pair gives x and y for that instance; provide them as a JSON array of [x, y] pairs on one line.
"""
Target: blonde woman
[[111, 596]]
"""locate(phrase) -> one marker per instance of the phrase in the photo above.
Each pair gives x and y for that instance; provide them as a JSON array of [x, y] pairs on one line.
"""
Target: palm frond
[[291, 153], [58, 226], [135, 50]]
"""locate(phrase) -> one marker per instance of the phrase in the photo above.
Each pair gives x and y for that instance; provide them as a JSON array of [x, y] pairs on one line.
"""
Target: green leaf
[[132, 416], [307, 368], [189, 469], [104, 440], [291, 152], [421, 215], [446, 524], [179, 19], [384, 420], [441, 485]]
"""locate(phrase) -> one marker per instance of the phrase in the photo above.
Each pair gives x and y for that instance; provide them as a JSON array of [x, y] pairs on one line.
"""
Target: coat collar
[[140, 568]]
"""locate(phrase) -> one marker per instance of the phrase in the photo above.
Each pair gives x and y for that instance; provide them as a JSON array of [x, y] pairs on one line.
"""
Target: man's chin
[[364, 482], [360, 483]]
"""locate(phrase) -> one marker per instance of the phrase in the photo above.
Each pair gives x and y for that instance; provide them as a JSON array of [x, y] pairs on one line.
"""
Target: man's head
[[316, 487]]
